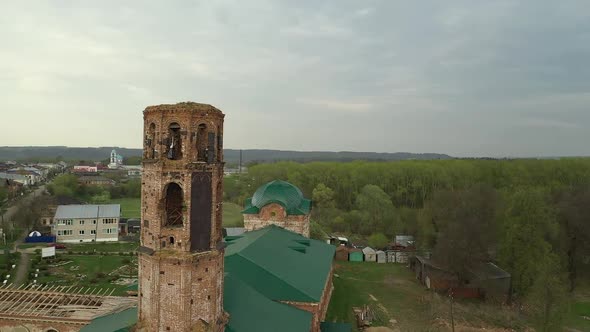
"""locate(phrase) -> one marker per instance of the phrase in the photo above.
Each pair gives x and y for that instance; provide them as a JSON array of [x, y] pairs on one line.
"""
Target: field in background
[[232, 215], [130, 207], [402, 304]]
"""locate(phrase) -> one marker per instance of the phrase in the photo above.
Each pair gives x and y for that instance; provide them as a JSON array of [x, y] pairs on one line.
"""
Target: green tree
[[573, 210], [466, 221], [378, 241], [323, 198], [528, 222], [548, 297], [376, 209]]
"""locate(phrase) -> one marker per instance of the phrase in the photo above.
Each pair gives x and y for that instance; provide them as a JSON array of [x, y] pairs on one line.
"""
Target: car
[[57, 245]]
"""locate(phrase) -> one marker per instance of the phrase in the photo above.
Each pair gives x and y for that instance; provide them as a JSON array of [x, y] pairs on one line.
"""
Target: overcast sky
[[467, 78]]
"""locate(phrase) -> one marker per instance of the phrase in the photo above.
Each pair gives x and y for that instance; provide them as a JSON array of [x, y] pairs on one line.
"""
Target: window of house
[[81, 232], [93, 231], [81, 222], [69, 222], [94, 222]]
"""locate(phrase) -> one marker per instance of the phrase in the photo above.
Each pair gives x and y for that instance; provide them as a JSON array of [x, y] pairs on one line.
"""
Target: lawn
[[130, 207], [393, 293], [102, 247], [89, 271], [232, 215]]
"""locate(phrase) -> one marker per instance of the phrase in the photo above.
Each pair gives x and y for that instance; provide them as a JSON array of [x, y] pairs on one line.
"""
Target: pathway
[[22, 269]]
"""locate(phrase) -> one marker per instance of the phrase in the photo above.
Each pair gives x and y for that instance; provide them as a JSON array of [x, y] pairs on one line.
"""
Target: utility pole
[[240, 164], [452, 316]]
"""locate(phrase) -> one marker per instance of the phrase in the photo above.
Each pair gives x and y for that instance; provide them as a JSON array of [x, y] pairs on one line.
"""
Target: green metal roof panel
[[335, 327], [117, 322], [268, 259], [252, 311], [280, 192]]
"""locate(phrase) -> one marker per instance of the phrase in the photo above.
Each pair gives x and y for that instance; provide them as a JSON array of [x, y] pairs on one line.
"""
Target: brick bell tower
[[181, 251]]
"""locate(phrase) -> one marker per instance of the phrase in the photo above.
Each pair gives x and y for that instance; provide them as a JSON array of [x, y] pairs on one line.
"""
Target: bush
[[100, 275], [46, 273], [93, 281], [121, 253], [70, 252], [126, 261], [37, 251]]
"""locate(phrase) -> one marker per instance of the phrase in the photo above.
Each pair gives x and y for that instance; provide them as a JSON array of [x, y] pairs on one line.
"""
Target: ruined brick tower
[[181, 252]]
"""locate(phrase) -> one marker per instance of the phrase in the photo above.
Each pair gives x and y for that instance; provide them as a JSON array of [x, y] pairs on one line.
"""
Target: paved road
[[12, 210], [22, 269]]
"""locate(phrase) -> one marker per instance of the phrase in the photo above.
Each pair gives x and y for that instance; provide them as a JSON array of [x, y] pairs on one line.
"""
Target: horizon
[[323, 151]]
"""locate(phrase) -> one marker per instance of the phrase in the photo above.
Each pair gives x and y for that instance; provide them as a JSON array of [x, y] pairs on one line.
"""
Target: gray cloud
[[462, 77]]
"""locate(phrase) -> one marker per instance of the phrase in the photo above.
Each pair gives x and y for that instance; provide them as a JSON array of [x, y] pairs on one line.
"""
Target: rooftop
[[282, 265], [280, 192], [184, 106], [88, 211]]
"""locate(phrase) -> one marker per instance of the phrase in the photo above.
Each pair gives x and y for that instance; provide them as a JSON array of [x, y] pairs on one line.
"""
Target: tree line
[[68, 185], [531, 217]]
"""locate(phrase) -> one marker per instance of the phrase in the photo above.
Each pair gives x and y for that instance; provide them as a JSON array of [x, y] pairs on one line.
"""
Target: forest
[[531, 217]]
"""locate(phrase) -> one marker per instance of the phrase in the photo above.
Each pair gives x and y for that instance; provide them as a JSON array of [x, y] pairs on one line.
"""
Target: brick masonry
[[320, 309], [275, 214], [180, 286]]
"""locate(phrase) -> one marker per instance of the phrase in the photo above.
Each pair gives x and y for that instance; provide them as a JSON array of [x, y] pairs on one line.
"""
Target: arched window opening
[[219, 144], [150, 142], [202, 142], [174, 142], [174, 200], [171, 240]]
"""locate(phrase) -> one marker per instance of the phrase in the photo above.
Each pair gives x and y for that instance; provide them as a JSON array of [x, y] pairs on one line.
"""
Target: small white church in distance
[[116, 160]]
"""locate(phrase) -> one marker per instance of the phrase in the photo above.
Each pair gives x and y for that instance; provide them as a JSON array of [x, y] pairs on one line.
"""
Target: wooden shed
[[381, 256], [355, 255], [370, 254], [341, 253]]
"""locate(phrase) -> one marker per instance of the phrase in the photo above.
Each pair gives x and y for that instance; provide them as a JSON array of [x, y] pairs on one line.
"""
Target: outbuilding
[[355, 255], [370, 254], [341, 253], [381, 257]]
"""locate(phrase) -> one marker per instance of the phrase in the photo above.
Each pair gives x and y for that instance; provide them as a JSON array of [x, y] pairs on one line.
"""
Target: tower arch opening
[[174, 205], [150, 142], [174, 142], [202, 149]]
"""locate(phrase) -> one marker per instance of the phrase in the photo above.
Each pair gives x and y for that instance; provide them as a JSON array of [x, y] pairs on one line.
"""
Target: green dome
[[281, 192]]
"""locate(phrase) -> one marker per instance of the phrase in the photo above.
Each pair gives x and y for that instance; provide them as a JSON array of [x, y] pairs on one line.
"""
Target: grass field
[[392, 291], [103, 247], [130, 207], [232, 215]]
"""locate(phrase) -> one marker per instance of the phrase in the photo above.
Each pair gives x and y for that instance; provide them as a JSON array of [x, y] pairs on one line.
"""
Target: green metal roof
[[117, 322], [252, 311], [280, 192], [280, 264], [335, 327]]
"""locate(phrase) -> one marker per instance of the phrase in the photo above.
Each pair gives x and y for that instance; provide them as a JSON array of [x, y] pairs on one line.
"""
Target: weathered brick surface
[[320, 309], [275, 214], [180, 289]]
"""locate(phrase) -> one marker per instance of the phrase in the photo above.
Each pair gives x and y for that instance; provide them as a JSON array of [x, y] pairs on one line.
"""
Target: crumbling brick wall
[[275, 214], [181, 279]]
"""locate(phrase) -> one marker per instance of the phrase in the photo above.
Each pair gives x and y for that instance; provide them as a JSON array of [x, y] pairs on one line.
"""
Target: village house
[[96, 180], [87, 223]]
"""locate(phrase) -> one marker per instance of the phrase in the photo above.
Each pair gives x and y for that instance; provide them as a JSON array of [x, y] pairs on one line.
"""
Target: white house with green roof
[[278, 203]]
